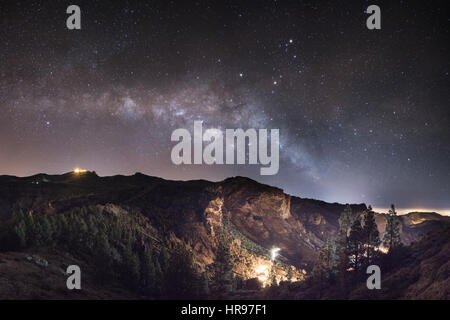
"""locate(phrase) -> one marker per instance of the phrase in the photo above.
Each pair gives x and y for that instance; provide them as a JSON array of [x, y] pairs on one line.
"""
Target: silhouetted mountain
[[415, 225], [210, 228]]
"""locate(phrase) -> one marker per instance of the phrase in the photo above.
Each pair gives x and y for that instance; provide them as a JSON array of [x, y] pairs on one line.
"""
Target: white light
[[262, 273], [274, 253]]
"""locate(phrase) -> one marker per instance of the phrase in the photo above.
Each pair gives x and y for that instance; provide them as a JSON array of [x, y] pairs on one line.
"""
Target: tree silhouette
[[391, 238], [371, 235], [148, 272], [223, 263], [355, 245], [103, 263], [345, 223]]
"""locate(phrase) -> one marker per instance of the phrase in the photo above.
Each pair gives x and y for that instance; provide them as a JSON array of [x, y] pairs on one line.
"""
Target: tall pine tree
[[103, 262], [371, 235], [148, 272], [391, 238], [345, 223], [355, 247], [223, 263]]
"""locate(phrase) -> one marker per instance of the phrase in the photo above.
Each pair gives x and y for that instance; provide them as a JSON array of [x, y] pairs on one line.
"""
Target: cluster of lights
[[262, 270], [262, 273], [383, 249]]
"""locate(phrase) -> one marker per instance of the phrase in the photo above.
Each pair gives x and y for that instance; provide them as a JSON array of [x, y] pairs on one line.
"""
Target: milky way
[[363, 114]]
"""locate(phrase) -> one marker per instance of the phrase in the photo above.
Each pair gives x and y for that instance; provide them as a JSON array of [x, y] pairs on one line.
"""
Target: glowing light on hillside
[[400, 211], [384, 249], [262, 272], [274, 253], [78, 171]]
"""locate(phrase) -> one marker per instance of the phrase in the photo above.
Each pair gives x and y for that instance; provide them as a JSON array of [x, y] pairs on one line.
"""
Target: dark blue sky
[[363, 115]]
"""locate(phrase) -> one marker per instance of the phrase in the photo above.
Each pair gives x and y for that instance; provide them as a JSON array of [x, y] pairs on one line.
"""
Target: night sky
[[363, 114]]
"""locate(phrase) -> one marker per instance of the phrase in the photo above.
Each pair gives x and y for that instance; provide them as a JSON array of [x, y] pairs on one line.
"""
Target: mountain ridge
[[198, 215]]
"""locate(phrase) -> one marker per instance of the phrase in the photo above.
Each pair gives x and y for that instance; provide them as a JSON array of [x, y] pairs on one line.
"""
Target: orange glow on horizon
[[444, 212]]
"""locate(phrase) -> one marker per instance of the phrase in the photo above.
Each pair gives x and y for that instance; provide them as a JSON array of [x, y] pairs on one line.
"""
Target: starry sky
[[363, 114]]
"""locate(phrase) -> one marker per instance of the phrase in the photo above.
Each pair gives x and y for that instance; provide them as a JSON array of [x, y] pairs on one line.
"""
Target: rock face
[[257, 217], [415, 225], [271, 218]]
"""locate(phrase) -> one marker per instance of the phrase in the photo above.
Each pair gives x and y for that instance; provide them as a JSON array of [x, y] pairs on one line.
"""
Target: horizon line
[[399, 210]]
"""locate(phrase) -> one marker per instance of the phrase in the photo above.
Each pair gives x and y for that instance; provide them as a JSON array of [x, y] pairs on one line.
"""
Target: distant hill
[[415, 225], [229, 224]]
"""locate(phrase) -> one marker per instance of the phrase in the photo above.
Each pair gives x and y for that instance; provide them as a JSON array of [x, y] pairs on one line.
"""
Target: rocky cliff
[[197, 215]]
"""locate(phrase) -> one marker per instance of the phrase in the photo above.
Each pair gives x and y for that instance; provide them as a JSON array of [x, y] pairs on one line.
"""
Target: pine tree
[[355, 244], [63, 226], [345, 223], [37, 233], [18, 215], [103, 262], [371, 235], [391, 238], [273, 278], [205, 286], [326, 261], [46, 230], [31, 229], [321, 271], [181, 279], [159, 278], [223, 263], [53, 222], [289, 274], [148, 272], [20, 232], [131, 267], [163, 259]]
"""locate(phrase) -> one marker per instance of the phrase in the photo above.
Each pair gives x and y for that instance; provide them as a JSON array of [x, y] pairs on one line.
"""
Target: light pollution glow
[[443, 212]]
